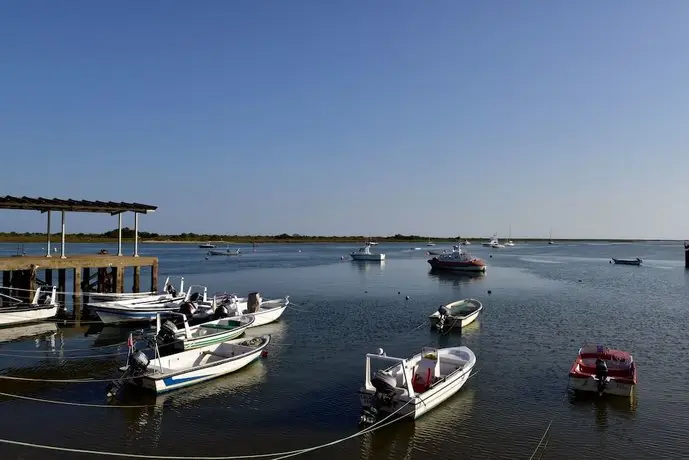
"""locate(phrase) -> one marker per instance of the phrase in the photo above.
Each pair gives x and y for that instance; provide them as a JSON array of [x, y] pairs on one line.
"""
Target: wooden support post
[[121, 273], [61, 284], [116, 276], [6, 283], [137, 279], [87, 277], [31, 275], [76, 294], [686, 255], [49, 277], [101, 280], [154, 277]]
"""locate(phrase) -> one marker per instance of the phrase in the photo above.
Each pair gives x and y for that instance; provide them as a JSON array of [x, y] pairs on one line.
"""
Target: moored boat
[[210, 332], [263, 311], [460, 314], [411, 387], [603, 370], [169, 294], [225, 252], [15, 311], [208, 245], [494, 243], [186, 368], [365, 254], [457, 260], [636, 261]]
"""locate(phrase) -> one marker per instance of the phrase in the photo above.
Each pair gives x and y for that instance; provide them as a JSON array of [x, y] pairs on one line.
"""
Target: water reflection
[[455, 278], [368, 265], [403, 437], [39, 330], [603, 407]]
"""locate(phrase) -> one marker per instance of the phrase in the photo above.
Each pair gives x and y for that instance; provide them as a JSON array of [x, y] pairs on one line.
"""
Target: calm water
[[545, 302]]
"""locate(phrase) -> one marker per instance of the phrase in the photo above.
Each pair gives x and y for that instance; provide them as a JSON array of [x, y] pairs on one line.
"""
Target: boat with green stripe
[[201, 335]]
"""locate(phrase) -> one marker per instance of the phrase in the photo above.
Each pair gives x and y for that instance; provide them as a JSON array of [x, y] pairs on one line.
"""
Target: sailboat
[[509, 238], [550, 237], [430, 243]]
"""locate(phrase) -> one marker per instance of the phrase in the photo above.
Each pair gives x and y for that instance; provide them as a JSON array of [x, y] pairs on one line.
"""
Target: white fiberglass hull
[[194, 367], [455, 321], [125, 296], [368, 257], [424, 402], [26, 315], [267, 316], [612, 387]]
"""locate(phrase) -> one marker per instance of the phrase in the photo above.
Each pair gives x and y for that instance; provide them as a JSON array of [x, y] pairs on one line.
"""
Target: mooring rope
[[37, 356], [275, 455], [68, 403], [550, 424]]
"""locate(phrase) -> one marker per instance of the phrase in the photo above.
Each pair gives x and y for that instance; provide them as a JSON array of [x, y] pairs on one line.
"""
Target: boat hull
[[267, 316], [627, 261], [161, 383], [612, 387], [457, 266], [423, 403], [10, 316], [115, 316], [454, 321], [191, 344], [368, 257]]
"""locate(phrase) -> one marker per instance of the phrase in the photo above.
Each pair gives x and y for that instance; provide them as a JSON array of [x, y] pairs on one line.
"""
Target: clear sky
[[351, 117]]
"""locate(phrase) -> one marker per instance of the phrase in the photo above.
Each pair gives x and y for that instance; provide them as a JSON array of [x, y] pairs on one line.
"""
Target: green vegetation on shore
[[191, 238]]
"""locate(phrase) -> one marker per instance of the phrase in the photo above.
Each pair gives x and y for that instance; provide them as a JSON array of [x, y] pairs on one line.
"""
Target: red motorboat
[[457, 260], [604, 371]]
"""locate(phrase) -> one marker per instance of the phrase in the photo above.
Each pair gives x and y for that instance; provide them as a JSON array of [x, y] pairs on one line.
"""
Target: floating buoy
[[489, 291], [406, 298], [491, 256], [264, 353], [398, 292], [365, 292]]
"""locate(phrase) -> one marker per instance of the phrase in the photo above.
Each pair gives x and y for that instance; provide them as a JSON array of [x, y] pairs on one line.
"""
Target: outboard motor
[[601, 375], [137, 363], [188, 309], [444, 313], [383, 397], [194, 297], [170, 289], [221, 312], [168, 332]]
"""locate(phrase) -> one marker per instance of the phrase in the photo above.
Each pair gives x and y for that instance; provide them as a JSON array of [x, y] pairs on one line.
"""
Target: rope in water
[[68, 403], [275, 455], [550, 424], [37, 356]]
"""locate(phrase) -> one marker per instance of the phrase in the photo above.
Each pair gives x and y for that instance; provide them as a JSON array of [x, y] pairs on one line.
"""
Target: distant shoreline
[[258, 240]]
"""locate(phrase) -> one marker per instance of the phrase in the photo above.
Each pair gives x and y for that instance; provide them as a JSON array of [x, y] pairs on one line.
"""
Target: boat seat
[[426, 372]]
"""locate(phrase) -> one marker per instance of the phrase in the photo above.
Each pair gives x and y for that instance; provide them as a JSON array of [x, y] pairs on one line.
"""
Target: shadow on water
[[368, 265]]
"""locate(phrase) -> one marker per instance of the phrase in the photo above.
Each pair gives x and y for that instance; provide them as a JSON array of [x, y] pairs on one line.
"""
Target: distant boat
[[636, 261], [226, 252], [365, 254], [509, 238], [550, 237], [494, 242], [208, 245], [430, 243]]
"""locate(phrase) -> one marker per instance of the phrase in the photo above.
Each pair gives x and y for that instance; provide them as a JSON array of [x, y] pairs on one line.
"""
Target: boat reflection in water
[[456, 278], [605, 408], [145, 423], [43, 330], [369, 265], [399, 440]]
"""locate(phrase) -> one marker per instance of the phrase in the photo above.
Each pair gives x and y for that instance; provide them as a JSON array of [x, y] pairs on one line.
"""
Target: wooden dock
[[90, 273], [101, 273]]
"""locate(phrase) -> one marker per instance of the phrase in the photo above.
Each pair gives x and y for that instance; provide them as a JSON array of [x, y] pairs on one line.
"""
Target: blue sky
[[351, 117]]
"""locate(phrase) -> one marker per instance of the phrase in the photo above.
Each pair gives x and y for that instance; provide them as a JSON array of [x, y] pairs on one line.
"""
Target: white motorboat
[[430, 243], [509, 243], [411, 387], [226, 252], [208, 245], [264, 311], [15, 311], [494, 243], [186, 368], [208, 333], [457, 260], [365, 254], [194, 302], [460, 314], [169, 294]]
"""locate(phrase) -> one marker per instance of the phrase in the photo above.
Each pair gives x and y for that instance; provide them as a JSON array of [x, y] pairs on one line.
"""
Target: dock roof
[[56, 204]]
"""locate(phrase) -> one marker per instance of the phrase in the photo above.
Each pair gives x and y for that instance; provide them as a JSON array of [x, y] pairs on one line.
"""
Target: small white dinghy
[[15, 311], [189, 367], [460, 313], [411, 387]]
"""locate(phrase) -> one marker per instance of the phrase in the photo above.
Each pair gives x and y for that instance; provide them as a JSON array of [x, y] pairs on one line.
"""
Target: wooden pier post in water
[[154, 276], [61, 284], [686, 254], [76, 294], [136, 286]]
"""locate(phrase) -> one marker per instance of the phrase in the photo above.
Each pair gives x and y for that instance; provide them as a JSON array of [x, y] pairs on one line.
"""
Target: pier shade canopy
[[48, 205], [56, 204]]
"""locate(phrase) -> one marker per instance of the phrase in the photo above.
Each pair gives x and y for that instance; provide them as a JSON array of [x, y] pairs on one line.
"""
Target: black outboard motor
[[188, 309], [170, 289], [168, 332], [444, 313], [383, 397], [601, 375], [194, 297], [221, 312], [138, 362]]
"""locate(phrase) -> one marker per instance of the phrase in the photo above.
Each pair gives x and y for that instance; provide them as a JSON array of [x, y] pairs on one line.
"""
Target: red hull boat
[[604, 371]]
